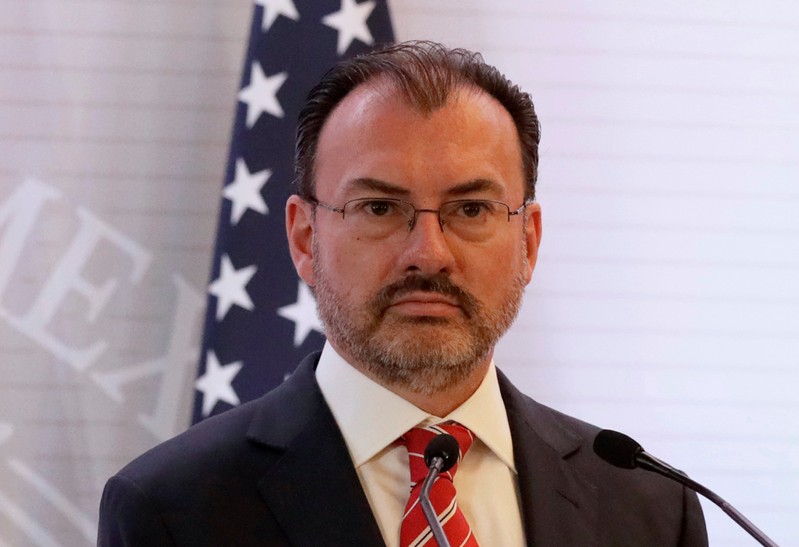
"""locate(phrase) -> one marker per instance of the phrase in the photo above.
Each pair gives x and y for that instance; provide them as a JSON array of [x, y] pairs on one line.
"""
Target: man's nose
[[426, 248]]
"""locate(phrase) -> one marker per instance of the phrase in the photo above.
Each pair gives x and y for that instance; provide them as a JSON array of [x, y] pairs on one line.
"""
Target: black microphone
[[441, 454], [620, 450]]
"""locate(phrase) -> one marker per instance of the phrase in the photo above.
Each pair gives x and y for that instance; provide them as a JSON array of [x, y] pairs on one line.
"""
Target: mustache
[[438, 283]]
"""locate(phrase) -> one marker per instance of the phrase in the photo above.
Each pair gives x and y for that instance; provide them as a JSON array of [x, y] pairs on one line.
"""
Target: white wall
[[665, 302], [666, 299]]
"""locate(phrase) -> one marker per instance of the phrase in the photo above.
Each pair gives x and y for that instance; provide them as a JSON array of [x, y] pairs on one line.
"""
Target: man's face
[[424, 308]]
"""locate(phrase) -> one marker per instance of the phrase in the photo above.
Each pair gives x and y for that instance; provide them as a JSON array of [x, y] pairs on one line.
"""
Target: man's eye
[[474, 209], [374, 207], [380, 208]]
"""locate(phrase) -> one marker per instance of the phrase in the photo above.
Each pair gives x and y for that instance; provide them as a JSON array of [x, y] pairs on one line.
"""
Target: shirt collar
[[356, 400]]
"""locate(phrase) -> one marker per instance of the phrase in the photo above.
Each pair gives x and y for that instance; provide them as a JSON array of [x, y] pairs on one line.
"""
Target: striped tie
[[415, 532]]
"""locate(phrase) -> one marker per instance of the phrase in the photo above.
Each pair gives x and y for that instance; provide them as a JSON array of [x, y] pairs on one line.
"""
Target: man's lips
[[418, 295], [426, 303]]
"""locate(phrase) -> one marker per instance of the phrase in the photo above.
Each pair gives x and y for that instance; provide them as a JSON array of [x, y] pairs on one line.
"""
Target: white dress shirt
[[372, 418]]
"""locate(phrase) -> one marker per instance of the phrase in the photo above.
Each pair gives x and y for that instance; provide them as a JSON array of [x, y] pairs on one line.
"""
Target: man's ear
[[533, 234], [300, 232]]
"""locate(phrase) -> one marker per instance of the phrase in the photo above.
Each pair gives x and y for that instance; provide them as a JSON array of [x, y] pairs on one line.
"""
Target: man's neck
[[440, 403]]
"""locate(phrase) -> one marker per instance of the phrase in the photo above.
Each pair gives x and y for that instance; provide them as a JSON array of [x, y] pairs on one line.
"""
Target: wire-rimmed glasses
[[381, 218]]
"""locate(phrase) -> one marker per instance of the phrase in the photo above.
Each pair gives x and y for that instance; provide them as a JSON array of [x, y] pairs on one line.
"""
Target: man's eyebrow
[[462, 189], [476, 185], [378, 185]]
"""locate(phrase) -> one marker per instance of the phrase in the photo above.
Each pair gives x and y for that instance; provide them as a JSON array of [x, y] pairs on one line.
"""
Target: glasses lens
[[378, 218], [473, 220]]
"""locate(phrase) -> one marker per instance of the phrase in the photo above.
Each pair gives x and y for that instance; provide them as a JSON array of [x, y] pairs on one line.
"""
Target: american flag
[[261, 319]]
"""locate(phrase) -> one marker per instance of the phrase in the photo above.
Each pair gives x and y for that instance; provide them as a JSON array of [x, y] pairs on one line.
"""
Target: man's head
[[417, 234], [425, 74]]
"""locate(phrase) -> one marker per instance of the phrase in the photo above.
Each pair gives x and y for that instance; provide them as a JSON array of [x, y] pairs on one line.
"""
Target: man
[[415, 224]]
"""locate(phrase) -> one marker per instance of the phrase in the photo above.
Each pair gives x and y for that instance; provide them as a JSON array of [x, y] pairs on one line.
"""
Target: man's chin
[[423, 354], [424, 335]]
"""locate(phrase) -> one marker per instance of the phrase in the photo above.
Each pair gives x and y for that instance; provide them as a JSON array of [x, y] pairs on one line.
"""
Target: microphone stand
[[427, 508]]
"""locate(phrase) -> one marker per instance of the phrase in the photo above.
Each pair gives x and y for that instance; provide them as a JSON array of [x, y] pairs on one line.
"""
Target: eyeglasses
[[380, 218]]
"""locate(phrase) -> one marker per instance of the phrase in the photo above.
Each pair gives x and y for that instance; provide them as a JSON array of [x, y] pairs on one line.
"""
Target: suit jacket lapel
[[559, 505], [315, 475]]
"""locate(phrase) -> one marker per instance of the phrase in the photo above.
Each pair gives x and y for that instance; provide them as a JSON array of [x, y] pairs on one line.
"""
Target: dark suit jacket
[[276, 471]]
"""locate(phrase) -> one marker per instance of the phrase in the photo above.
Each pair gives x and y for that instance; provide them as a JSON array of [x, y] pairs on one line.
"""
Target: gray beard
[[425, 355]]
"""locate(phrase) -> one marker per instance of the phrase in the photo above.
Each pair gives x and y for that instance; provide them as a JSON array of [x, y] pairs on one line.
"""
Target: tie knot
[[417, 439]]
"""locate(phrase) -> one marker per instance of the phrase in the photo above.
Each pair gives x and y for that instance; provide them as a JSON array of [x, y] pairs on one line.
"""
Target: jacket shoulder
[[555, 451]]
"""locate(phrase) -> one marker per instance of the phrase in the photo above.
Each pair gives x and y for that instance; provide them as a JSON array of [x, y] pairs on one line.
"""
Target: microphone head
[[617, 449], [442, 446]]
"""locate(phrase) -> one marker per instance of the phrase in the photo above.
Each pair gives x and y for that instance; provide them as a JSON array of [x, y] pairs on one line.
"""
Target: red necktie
[[415, 532]]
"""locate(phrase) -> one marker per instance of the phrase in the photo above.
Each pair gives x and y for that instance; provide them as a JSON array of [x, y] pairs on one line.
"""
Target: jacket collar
[[314, 475], [559, 505]]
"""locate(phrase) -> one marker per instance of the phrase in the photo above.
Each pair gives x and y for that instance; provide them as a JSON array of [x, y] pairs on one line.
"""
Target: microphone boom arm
[[650, 463]]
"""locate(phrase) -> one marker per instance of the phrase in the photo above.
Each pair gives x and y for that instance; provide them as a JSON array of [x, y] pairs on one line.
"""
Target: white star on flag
[[245, 191], [350, 22], [229, 287], [261, 94], [216, 384], [275, 8], [303, 313]]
